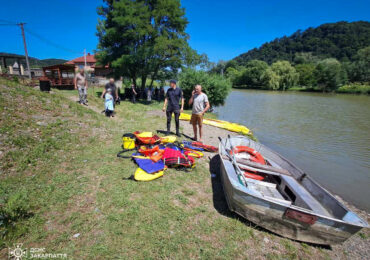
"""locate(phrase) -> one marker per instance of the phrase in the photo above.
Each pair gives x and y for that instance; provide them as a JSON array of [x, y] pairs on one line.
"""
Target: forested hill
[[339, 40], [34, 62]]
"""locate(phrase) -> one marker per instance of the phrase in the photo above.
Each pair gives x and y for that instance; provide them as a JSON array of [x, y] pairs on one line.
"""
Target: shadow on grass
[[220, 203]]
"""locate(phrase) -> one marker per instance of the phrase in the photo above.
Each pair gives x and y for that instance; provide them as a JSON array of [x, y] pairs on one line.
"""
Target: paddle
[[239, 173], [252, 166]]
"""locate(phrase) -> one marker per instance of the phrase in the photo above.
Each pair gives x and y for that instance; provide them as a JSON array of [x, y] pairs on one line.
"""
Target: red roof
[[89, 58]]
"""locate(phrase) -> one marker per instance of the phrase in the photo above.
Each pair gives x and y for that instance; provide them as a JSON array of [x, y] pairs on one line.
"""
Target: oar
[[241, 177], [239, 173], [252, 166]]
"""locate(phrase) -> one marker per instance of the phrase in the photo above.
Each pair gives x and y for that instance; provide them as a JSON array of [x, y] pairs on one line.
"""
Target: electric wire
[[58, 46]]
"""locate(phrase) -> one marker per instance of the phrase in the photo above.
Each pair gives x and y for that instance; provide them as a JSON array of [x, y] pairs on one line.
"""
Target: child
[[109, 109]]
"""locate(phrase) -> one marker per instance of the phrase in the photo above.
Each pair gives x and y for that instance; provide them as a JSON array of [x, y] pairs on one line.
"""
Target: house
[[60, 75], [96, 70]]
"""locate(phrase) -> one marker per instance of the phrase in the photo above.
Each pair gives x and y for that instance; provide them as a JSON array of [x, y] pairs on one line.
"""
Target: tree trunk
[[143, 82], [134, 81], [154, 75]]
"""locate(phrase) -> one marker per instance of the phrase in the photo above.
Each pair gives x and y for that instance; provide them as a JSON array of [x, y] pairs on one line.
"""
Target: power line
[[50, 42], [58, 46], [8, 22]]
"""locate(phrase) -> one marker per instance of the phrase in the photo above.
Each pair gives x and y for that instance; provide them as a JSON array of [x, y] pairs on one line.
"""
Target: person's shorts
[[196, 119]]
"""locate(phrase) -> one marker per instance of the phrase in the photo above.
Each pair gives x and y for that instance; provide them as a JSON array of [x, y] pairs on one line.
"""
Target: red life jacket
[[174, 158]]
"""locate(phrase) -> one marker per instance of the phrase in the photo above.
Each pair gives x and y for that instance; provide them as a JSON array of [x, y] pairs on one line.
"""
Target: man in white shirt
[[200, 106], [80, 83]]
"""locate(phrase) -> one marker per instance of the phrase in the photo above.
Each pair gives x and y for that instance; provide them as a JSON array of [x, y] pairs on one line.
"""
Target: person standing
[[109, 103], [80, 83], [133, 93], [172, 100], [112, 86], [161, 94], [149, 95], [200, 106], [156, 93]]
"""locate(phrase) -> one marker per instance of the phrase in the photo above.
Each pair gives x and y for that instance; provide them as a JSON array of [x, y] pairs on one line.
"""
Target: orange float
[[255, 156]]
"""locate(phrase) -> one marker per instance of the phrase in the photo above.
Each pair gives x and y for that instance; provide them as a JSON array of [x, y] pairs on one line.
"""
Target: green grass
[[60, 176]]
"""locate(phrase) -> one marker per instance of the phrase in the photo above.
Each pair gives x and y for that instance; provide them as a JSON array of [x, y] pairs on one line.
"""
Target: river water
[[326, 135]]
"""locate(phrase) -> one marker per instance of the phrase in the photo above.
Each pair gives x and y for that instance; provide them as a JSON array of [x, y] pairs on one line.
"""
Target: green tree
[[288, 76], [305, 57], [253, 73], [306, 74], [141, 38], [359, 70], [235, 75], [271, 80], [330, 74], [219, 67], [215, 86], [231, 64]]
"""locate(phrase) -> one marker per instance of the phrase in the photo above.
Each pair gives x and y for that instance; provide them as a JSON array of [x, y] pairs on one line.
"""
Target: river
[[326, 135]]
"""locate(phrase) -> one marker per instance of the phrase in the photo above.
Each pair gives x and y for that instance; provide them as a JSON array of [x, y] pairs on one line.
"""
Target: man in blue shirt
[[172, 100]]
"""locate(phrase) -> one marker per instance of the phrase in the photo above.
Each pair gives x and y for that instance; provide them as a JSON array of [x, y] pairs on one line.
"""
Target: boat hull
[[272, 216]]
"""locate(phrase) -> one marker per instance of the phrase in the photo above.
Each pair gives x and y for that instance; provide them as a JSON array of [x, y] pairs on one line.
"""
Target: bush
[[215, 86], [354, 89], [15, 79]]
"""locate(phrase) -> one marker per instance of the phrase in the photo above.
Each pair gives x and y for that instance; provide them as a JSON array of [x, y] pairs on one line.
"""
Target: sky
[[221, 29]]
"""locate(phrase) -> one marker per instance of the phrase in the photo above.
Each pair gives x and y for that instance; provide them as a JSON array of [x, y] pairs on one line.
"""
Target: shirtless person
[[80, 83]]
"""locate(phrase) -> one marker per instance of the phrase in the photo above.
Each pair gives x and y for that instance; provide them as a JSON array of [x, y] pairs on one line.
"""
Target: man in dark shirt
[[133, 93], [172, 100], [112, 86]]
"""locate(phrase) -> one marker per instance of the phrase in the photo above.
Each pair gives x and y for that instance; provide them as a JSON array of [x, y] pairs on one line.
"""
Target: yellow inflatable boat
[[220, 124]]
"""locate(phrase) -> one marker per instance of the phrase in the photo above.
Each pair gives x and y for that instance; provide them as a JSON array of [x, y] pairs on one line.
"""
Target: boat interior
[[295, 188]]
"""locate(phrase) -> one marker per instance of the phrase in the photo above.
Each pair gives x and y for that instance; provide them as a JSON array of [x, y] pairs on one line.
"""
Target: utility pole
[[25, 50], [85, 56]]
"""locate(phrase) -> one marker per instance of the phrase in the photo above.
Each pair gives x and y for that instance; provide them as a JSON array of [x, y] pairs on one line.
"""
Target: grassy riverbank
[[346, 89], [63, 189]]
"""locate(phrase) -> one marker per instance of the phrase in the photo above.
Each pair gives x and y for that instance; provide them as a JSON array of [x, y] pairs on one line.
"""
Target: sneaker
[[86, 104]]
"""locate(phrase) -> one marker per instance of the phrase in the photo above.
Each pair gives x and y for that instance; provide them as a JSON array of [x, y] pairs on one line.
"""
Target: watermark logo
[[17, 252]]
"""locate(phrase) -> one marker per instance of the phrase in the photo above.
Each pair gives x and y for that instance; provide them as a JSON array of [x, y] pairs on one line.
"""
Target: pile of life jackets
[[154, 154]]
